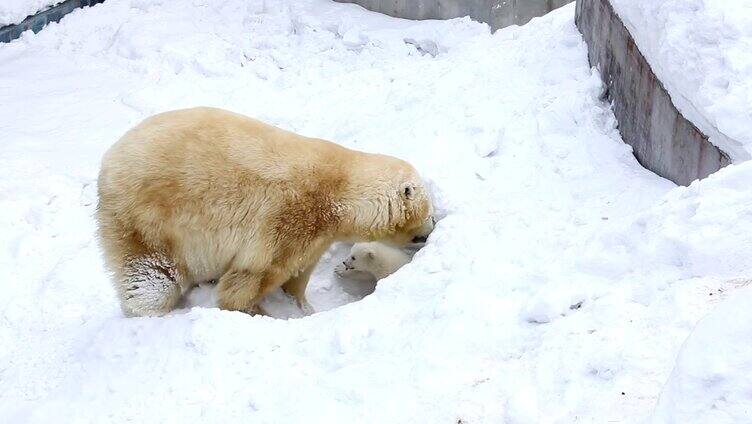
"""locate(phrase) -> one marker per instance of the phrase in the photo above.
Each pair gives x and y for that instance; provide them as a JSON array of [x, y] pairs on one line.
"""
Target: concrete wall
[[663, 140], [38, 21], [496, 13]]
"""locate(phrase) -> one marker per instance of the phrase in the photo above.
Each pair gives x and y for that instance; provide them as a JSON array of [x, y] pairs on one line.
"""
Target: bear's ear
[[370, 254], [407, 191]]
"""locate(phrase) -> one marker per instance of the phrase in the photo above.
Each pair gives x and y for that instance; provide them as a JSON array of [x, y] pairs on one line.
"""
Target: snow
[[710, 383], [558, 286], [699, 49], [15, 11]]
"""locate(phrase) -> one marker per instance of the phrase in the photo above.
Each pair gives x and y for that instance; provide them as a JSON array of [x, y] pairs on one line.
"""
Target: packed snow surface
[[711, 381], [700, 50], [15, 11], [558, 286]]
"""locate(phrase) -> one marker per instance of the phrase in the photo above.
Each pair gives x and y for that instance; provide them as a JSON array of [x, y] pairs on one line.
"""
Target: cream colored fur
[[199, 194], [374, 258]]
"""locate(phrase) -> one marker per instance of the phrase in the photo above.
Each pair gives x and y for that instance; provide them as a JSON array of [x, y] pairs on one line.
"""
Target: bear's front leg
[[296, 287], [240, 290]]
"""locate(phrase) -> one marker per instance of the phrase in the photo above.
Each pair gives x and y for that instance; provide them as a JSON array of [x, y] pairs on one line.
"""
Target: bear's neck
[[388, 262], [368, 208], [380, 271]]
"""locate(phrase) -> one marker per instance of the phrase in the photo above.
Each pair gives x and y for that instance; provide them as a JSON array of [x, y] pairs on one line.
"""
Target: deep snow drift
[[558, 287], [700, 50]]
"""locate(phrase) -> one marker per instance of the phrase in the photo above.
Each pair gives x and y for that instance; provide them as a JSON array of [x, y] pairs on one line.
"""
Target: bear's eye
[[408, 190], [352, 257]]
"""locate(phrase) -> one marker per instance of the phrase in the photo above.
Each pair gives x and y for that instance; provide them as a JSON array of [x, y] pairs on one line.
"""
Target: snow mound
[[711, 380], [699, 49], [658, 240]]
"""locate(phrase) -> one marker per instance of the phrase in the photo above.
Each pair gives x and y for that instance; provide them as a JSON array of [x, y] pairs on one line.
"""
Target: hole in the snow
[[346, 273]]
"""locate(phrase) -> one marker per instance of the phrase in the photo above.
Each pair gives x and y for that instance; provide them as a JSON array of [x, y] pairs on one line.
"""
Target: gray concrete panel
[[496, 13], [662, 139]]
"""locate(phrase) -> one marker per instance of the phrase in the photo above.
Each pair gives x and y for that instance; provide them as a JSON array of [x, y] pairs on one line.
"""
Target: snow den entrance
[[326, 290]]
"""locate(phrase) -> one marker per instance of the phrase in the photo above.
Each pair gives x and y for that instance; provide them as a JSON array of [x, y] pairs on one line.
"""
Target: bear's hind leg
[[149, 286]]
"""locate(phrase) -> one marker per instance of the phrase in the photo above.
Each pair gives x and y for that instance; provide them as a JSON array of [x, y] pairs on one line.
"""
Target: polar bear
[[203, 194], [376, 259]]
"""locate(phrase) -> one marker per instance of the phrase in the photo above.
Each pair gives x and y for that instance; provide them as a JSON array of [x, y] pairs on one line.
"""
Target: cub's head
[[362, 258], [374, 258]]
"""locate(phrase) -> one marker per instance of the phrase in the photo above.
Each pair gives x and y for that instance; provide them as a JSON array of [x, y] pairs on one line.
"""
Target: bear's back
[[217, 140]]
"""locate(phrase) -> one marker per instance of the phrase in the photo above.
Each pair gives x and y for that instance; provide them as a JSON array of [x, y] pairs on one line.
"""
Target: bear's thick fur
[[374, 258], [199, 194]]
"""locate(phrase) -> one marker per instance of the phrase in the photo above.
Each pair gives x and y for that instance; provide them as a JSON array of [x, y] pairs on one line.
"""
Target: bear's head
[[362, 258], [386, 200], [407, 210], [373, 258], [416, 221]]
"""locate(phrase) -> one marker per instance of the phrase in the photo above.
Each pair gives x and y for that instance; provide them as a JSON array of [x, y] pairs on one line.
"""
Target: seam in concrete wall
[[496, 13], [39, 20], [663, 140]]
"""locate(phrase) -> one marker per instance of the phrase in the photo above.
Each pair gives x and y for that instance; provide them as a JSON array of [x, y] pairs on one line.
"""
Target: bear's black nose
[[420, 239]]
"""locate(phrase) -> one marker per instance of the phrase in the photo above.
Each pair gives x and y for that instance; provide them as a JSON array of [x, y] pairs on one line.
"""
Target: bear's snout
[[424, 231]]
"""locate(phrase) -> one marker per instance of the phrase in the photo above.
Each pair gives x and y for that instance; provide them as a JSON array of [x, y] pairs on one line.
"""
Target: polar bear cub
[[374, 258]]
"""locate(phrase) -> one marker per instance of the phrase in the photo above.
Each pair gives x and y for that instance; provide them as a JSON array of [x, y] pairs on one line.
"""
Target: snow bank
[[659, 239], [711, 380], [700, 49], [558, 286], [15, 11]]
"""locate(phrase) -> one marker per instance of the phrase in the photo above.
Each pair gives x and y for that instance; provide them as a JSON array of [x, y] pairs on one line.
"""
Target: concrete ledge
[[41, 19], [663, 140], [496, 13]]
